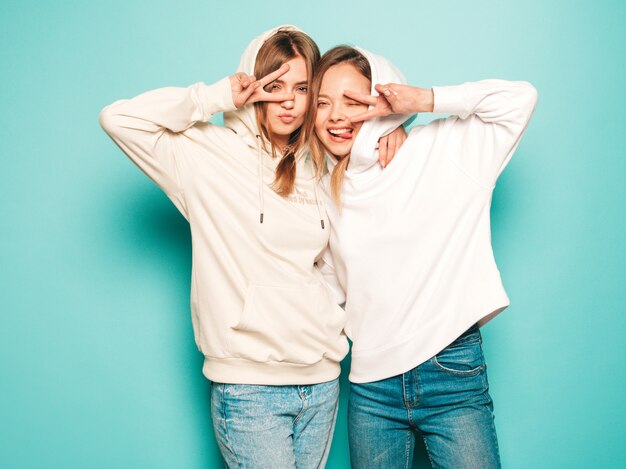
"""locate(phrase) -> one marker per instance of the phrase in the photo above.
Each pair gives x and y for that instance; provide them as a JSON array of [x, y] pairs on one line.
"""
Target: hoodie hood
[[243, 119], [364, 153]]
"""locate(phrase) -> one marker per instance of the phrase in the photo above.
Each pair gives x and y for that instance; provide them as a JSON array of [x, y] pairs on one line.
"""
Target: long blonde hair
[[275, 51], [335, 56]]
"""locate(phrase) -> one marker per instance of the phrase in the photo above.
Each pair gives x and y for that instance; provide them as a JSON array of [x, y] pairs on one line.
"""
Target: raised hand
[[246, 89], [393, 98]]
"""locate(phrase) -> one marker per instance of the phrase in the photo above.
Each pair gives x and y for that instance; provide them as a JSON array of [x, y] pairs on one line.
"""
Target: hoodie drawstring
[[260, 161], [261, 200], [317, 204]]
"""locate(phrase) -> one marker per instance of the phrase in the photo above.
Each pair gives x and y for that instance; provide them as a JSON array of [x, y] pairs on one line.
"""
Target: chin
[[283, 129], [338, 152]]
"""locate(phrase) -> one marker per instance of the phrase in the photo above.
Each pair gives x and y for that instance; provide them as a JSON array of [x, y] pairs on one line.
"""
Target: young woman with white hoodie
[[410, 253], [270, 333]]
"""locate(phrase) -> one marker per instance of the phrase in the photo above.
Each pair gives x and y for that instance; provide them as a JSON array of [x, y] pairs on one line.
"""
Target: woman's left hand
[[393, 99], [389, 145]]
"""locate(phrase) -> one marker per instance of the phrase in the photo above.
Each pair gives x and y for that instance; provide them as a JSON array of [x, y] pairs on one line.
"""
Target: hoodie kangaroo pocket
[[286, 324]]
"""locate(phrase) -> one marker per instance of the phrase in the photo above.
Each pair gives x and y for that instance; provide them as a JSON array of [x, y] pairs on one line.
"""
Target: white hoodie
[[411, 245], [260, 310]]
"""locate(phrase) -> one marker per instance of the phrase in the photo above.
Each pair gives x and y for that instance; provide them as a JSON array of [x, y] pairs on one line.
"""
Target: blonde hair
[[275, 51], [335, 56]]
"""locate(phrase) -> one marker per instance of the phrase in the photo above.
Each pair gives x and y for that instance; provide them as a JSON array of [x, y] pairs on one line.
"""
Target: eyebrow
[[299, 83], [343, 96]]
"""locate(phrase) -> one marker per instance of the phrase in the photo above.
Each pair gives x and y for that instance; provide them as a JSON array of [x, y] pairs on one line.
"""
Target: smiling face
[[332, 122], [286, 117]]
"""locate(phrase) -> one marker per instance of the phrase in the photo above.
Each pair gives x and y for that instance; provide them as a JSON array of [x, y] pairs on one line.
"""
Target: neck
[[280, 142]]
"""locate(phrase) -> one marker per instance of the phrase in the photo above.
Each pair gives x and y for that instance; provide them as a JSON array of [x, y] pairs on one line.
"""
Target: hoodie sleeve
[[145, 126], [492, 116]]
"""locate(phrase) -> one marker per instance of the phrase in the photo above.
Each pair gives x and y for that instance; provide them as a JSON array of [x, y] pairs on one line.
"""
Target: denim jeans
[[274, 426], [445, 400]]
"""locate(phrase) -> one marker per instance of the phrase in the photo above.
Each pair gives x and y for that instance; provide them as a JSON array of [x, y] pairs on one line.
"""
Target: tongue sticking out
[[345, 135]]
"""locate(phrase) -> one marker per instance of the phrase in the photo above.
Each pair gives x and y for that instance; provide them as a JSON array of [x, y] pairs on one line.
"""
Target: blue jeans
[[445, 399], [274, 426]]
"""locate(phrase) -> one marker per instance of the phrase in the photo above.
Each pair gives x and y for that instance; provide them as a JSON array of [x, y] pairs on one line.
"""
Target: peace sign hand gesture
[[393, 99], [247, 89]]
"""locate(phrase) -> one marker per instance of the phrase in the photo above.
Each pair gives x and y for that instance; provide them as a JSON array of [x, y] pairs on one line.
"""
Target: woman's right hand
[[246, 89]]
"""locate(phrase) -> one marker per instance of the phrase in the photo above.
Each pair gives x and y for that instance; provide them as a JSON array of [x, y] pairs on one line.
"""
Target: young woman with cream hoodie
[[270, 333], [410, 253]]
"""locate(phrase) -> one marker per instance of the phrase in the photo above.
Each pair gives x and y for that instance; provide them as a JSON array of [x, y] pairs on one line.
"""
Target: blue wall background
[[98, 364]]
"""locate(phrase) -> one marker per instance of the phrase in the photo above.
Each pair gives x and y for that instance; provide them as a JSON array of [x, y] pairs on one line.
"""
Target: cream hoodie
[[411, 246], [260, 310]]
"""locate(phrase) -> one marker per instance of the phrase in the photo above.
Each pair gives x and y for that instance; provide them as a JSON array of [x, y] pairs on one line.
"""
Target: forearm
[[173, 109], [510, 103]]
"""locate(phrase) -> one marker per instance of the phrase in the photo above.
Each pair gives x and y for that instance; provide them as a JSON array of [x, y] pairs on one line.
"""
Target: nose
[[337, 114], [289, 104]]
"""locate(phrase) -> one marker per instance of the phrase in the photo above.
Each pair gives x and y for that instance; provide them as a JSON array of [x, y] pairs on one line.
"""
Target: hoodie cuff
[[452, 100], [214, 98]]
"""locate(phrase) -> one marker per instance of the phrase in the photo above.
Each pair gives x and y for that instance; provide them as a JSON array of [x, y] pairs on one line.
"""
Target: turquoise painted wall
[[97, 361]]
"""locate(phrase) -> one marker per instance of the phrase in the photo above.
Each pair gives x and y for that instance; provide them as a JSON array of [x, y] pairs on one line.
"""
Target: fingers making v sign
[[393, 99], [246, 89]]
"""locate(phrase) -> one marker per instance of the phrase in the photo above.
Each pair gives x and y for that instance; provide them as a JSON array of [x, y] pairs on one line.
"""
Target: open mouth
[[340, 135]]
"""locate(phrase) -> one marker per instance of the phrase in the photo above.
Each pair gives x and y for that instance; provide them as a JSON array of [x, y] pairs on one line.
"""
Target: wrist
[[424, 100]]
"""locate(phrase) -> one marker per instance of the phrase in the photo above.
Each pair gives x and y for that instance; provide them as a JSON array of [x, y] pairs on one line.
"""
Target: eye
[[272, 87], [321, 103], [302, 89]]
